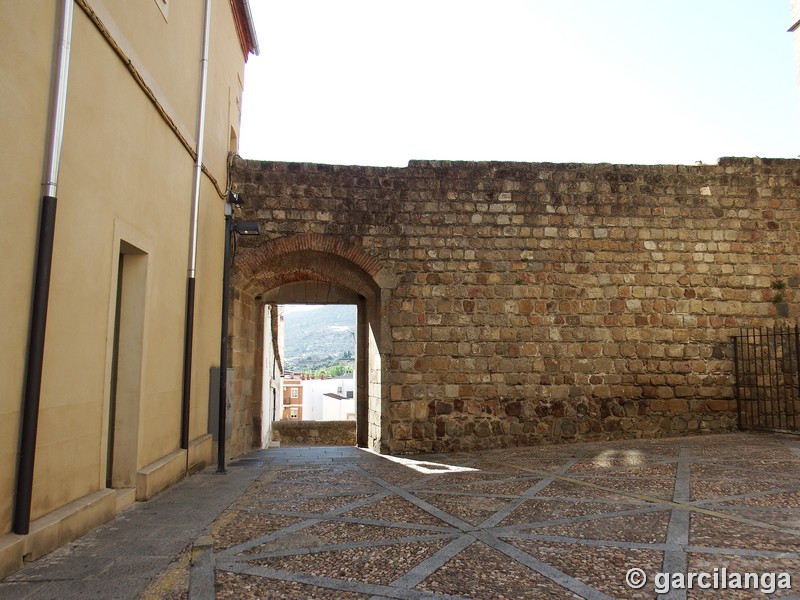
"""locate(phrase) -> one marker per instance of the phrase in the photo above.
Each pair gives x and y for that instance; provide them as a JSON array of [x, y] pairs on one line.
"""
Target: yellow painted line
[[169, 580]]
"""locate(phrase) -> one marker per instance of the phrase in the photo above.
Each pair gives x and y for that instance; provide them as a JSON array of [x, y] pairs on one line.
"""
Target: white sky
[[380, 82]]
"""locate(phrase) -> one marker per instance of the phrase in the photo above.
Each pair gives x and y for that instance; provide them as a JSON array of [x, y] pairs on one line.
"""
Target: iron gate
[[767, 371]]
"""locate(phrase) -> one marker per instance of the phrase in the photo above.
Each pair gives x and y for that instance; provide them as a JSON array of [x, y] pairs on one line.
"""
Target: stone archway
[[310, 269]]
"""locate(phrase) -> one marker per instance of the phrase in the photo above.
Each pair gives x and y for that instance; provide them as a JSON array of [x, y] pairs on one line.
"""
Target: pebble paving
[[543, 522], [565, 521]]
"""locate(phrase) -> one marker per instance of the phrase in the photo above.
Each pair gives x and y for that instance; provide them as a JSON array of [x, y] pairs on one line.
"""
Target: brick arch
[[261, 259], [276, 265], [310, 265]]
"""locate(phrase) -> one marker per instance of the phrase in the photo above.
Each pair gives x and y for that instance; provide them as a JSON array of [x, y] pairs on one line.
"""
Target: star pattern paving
[[563, 521]]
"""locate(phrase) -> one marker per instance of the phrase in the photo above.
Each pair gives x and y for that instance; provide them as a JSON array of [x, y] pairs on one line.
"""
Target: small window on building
[[233, 145], [295, 393], [293, 412]]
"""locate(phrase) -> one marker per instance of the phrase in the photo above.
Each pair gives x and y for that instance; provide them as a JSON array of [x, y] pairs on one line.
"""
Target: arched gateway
[[312, 269], [509, 304]]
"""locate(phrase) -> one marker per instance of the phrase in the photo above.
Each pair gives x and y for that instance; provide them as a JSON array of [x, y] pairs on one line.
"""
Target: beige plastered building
[[794, 29], [112, 421]]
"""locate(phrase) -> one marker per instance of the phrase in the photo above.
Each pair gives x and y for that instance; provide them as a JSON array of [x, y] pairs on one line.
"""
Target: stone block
[[659, 406], [59, 527], [483, 429], [12, 551], [159, 475], [87, 513], [444, 408], [721, 405], [401, 431], [678, 406]]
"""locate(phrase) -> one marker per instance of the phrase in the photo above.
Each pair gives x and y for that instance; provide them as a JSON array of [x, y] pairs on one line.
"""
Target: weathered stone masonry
[[532, 303]]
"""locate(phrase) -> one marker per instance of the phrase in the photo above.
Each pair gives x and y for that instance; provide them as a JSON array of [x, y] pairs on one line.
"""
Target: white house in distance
[[272, 394], [330, 399]]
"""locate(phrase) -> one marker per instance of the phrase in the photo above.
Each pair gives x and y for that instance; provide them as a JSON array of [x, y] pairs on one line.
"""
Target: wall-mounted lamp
[[231, 227], [247, 227]]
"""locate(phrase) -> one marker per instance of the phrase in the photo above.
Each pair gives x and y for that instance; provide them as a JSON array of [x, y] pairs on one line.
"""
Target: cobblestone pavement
[[564, 521], [543, 522]]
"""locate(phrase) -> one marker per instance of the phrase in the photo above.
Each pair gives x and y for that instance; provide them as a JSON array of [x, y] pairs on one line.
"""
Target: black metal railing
[[767, 371]]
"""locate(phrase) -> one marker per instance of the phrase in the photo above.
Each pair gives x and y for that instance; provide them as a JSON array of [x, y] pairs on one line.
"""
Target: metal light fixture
[[231, 227], [247, 228]]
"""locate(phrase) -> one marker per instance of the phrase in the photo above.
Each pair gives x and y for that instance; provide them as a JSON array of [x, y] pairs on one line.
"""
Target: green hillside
[[318, 337]]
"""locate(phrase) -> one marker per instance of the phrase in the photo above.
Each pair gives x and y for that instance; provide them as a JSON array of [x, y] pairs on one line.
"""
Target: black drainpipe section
[[187, 362], [33, 375], [41, 282], [223, 345]]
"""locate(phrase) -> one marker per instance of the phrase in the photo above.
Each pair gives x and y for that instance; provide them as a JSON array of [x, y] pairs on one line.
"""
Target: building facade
[[272, 371], [794, 29], [331, 399], [292, 394], [134, 107]]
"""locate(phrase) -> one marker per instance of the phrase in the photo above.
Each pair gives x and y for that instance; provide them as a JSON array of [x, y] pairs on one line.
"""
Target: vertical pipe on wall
[[796, 376], [223, 346], [737, 380], [188, 339], [41, 283]]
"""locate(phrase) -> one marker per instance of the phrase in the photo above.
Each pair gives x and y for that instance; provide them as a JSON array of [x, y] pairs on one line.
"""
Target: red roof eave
[[245, 28]]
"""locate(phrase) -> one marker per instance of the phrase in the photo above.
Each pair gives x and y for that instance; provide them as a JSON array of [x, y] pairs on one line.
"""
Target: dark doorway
[[126, 368]]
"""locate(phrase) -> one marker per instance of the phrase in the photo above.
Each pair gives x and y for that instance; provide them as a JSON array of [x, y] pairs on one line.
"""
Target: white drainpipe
[[192, 267], [41, 284]]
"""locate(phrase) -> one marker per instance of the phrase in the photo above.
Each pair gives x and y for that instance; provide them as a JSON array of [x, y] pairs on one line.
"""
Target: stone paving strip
[[552, 522], [564, 521]]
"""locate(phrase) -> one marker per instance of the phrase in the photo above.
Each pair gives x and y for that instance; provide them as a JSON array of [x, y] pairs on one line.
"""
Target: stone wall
[[245, 350], [538, 303], [314, 433]]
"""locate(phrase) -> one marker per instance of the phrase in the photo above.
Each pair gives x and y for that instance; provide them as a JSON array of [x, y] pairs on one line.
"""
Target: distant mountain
[[316, 337]]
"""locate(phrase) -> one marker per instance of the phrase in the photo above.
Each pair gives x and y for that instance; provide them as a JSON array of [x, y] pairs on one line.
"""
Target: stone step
[[125, 497]]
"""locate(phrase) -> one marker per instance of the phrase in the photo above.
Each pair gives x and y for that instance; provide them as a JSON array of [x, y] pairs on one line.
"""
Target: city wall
[[314, 433], [536, 303]]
